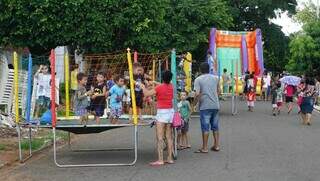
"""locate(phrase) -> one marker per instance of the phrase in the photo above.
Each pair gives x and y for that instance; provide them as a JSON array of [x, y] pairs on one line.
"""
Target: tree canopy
[[305, 45], [148, 26], [109, 25]]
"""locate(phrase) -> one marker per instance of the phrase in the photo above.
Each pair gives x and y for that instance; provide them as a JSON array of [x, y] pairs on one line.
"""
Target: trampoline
[[72, 124]]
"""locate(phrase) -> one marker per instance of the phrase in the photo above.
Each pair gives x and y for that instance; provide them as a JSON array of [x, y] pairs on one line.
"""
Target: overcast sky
[[288, 25]]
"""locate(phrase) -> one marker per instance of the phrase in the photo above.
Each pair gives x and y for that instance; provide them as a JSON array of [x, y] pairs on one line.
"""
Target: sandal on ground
[[201, 151], [156, 163], [181, 147], [169, 162], [215, 149]]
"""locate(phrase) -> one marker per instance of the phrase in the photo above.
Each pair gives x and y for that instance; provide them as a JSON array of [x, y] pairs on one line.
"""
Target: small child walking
[[185, 110], [274, 99], [279, 99], [98, 99], [251, 97], [82, 98], [116, 92]]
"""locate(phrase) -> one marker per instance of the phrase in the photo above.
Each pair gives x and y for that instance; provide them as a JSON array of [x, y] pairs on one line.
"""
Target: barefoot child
[[82, 98], [116, 96], [98, 99], [139, 78], [185, 109], [251, 97], [43, 89]]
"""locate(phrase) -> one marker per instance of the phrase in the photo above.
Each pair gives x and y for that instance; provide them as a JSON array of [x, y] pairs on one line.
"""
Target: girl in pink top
[[289, 92], [165, 112]]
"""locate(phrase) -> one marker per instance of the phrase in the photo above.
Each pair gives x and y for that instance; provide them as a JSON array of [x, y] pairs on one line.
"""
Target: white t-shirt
[[268, 80], [43, 88], [265, 85]]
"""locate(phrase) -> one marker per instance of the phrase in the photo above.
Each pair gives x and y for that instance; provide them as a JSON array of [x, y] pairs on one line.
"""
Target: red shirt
[[164, 94], [251, 96], [289, 90]]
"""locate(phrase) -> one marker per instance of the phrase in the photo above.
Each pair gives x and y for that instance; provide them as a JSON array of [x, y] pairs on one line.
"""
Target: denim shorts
[[209, 118]]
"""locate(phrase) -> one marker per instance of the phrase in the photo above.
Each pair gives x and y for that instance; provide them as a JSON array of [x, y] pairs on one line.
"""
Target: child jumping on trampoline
[[98, 99], [43, 89], [140, 78], [185, 110], [116, 92], [82, 98]]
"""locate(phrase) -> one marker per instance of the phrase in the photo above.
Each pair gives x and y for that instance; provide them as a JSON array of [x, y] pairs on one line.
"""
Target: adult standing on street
[[206, 88], [308, 100]]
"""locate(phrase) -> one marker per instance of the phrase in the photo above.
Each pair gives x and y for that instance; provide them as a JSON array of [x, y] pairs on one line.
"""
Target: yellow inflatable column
[[187, 68]]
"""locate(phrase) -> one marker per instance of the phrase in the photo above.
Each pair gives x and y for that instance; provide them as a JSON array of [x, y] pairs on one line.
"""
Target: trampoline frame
[[56, 126]]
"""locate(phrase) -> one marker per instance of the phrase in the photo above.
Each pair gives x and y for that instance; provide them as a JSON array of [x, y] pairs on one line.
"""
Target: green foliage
[[102, 26], [2, 147], [305, 45], [38, 143], [251, 14]]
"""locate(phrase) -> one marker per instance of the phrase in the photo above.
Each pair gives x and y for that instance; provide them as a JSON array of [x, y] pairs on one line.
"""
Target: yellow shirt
[[74, 82]]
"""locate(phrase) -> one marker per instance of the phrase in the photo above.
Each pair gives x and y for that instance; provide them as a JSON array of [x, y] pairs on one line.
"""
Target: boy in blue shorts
[[116, 96]]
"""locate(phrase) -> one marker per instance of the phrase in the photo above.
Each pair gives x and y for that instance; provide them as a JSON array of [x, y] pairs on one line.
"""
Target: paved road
[[255, 147]]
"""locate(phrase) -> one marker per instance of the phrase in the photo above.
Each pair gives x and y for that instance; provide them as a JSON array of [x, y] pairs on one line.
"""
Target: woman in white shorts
[[165, 112]]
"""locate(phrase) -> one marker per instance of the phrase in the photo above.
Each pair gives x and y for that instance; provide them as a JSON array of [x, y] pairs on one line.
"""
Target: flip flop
[[169, 162], [182, 147], [215, 149], [156, 163], [201, 151]]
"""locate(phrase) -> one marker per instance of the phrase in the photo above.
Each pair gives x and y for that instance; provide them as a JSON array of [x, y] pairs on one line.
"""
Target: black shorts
[[289, 99], [139, 100]]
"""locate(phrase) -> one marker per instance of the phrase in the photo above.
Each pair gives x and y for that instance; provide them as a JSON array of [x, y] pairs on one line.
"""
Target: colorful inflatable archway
[[230, 48]]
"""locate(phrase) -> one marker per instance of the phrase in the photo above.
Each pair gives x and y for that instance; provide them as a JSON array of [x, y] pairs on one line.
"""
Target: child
[[251, 97], [300, 89], [116, 95], [139, 78], [98, 99], [185, 109], [274, 99], [43, 89], [82, 98], [148, 101], [289, 92], [279, 97], [74, 80]]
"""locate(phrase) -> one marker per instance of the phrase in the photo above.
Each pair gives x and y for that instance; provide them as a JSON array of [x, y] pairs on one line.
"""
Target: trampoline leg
[[135, 129], [175, 151], [69, 140], [19, 143], [30, 142]]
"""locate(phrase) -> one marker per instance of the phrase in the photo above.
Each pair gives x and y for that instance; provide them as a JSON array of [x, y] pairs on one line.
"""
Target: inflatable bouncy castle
[[236, 51]]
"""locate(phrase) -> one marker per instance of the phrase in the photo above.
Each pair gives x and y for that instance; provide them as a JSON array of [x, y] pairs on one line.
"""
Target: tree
[[105, 26], [251, 14], [305, 45]]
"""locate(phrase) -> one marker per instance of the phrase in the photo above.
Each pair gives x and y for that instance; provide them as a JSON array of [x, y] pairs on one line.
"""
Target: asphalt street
[[255, 146]]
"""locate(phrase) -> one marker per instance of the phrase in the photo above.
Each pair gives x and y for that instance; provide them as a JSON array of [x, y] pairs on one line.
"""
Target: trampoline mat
[[74, 125]]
